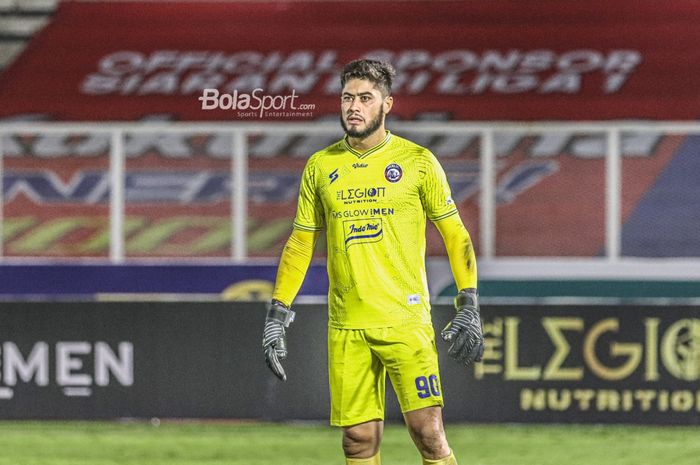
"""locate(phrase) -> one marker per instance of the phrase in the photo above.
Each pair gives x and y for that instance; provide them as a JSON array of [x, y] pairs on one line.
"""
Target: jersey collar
[[367, 152]]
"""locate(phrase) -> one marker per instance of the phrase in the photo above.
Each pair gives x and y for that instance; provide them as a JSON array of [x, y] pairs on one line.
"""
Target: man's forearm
[[294, 263], [459, 251]]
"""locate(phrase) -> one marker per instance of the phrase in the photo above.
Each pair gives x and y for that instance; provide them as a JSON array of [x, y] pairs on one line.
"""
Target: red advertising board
[[471, 60], [474, 60]]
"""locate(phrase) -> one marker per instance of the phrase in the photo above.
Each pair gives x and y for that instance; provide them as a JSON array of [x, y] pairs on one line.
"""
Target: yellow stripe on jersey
[[442, 217], [307, 228], [374, 207]]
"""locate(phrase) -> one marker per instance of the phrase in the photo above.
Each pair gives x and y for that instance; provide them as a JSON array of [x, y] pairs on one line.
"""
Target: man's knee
[[362, 440], [427, 432], [430, 440]]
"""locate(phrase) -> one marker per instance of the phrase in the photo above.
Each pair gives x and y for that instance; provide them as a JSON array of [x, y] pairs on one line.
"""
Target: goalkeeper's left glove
[[274, 343], [465, 332]]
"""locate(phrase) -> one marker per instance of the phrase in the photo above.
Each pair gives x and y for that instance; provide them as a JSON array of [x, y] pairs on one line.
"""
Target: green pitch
[[83, 443]]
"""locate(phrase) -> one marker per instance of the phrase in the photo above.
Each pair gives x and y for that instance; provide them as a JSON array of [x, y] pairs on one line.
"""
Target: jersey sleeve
[[309, 215], [435, 191], [460, 251]]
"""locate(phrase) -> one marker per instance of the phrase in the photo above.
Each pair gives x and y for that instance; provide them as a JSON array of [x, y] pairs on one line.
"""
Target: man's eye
[[347, 98], [365, 98]]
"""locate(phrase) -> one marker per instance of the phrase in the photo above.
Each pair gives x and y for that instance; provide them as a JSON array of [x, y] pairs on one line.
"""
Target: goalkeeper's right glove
[[274, 343], [465, 332]]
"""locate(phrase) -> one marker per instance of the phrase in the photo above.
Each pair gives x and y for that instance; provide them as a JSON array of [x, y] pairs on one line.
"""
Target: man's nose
[[354, 105]]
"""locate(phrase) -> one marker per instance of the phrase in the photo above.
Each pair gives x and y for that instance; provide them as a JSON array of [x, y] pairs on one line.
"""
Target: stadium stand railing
[[499, 178]]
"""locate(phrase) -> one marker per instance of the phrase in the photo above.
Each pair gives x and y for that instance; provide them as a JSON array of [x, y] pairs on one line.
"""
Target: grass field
[[100, 443]]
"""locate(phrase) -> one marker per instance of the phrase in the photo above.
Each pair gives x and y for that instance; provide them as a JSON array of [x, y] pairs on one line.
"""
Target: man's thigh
[[356, 377], [410, 357]]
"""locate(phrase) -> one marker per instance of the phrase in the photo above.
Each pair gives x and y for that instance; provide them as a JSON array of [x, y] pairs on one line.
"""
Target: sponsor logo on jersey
[[367, 194], [359, 165], [362, 212], [393, 173], [362, 231], [333, 176]]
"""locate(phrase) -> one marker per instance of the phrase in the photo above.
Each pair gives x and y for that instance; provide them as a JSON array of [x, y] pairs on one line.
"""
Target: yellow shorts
[[359, 359]]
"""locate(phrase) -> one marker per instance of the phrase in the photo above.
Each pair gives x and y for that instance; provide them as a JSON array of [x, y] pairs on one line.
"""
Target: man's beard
[[372, 126]]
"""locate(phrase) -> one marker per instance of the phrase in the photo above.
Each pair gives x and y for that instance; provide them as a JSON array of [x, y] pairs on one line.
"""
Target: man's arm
[[294, 263], [459, 251], [464, 332]]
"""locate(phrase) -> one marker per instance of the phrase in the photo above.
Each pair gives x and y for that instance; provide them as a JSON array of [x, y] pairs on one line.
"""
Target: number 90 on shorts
[[428, 386]]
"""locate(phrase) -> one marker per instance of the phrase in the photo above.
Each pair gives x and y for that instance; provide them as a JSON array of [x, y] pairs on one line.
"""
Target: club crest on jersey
[[393, 173]]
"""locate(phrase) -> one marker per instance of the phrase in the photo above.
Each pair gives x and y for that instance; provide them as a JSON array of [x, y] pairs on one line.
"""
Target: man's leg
[[428, 433], [411, 360], [361, 443], [357, 385]]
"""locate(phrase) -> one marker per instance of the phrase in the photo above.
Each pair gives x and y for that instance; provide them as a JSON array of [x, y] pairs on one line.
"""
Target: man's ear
[[388, 103]]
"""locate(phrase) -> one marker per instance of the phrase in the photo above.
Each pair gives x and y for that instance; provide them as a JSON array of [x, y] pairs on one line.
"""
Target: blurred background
[[142, 217]]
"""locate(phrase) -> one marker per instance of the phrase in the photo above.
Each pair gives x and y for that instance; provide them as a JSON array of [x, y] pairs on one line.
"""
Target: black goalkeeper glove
[[274, 343], [465, 332]]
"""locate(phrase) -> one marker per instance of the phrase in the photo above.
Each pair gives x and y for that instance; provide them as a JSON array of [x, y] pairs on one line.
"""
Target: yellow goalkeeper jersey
[[373, 206]]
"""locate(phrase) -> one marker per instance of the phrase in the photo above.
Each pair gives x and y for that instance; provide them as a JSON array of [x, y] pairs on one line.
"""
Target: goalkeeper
[[372, 192]]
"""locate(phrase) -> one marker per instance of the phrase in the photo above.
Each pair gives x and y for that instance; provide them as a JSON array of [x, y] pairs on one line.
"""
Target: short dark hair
[[379, 73]]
